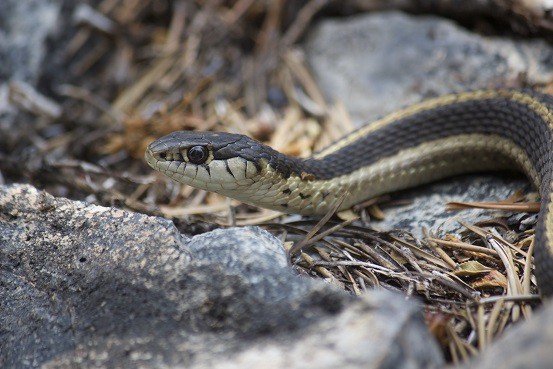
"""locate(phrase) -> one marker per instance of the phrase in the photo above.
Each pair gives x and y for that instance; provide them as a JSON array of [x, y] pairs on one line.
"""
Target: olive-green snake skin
[[467, 132]]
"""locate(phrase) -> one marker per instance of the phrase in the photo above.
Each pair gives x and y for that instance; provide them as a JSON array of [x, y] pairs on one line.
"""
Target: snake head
[[214, 161], [232, 165]]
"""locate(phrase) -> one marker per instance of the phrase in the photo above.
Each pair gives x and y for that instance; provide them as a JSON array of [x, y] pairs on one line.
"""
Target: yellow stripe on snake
[[473, 131]]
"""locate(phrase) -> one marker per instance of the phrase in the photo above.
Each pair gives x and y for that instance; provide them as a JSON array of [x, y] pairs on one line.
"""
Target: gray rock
[[427, 204], [233, 248], [249, 253], [73, 272], [526, 345], [89, 286], [24, 28], [378, 331], [381, 62]]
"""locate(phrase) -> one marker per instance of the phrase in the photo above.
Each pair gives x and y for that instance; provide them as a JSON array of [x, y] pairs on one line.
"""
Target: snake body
[[466, 132]]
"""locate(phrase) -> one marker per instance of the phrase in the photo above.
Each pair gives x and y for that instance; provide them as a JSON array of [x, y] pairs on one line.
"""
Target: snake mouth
[[152, 157]]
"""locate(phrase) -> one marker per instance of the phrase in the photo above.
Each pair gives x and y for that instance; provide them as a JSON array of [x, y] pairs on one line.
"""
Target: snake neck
[[523, 118]]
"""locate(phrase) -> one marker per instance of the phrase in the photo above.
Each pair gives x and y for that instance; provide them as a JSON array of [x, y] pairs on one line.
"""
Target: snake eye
[[197, 154]]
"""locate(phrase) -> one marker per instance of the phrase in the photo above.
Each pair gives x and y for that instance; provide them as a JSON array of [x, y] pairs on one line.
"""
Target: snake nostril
[[162, 155]]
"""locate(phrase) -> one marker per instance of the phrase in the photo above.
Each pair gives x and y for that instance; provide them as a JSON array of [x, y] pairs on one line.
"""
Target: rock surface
[[88, 286], [359, 337], [381, 62], [426, 206], [24, 28]]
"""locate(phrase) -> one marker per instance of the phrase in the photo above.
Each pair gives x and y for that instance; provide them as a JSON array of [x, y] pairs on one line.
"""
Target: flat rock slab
[[88, 286], [380, 62], [426, 206]]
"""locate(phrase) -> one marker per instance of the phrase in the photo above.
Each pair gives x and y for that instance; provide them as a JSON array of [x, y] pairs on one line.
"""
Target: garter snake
[[472, 131]]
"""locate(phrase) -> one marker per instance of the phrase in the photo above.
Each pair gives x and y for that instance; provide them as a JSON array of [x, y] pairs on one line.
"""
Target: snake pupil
[[197, 154]]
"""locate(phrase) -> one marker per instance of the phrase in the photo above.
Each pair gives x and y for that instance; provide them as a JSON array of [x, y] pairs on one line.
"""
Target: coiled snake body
[[467, 132]]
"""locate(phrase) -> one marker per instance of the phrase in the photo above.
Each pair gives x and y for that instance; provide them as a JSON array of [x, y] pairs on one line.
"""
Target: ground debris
[[472, 288]]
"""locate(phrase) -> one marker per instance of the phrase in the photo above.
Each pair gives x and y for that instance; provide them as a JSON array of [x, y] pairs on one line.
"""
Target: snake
[[473, 131]]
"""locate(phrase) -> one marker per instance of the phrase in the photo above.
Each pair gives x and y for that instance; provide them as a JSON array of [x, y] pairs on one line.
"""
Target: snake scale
[[481, 130]]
